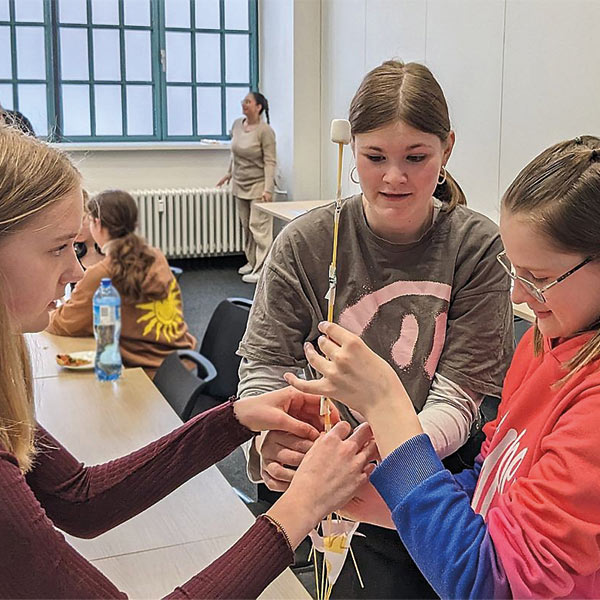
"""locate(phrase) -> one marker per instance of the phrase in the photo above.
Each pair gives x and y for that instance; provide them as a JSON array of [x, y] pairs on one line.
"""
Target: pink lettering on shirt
[[499, 468]]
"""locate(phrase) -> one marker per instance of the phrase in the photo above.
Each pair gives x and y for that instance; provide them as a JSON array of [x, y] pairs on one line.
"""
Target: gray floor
[[204, 283]]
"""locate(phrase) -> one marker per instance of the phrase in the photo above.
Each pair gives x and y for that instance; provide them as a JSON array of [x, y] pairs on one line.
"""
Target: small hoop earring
[[442, 176], [352, 171]]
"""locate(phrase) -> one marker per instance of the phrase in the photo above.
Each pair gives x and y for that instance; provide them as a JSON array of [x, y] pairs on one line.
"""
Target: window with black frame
[[128, 70]]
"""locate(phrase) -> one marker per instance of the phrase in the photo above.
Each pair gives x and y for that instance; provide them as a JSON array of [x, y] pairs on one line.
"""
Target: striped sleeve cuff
[[405, 468]]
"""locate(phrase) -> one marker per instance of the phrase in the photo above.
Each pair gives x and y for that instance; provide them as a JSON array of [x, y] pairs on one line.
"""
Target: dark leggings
[[386, 568]]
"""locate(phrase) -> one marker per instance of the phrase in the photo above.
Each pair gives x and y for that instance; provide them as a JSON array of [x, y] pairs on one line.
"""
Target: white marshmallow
[[340, 131]]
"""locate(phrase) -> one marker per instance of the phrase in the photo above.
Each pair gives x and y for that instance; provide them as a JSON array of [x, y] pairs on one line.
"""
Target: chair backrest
[[521, 326], [220, 343], [178, 385]]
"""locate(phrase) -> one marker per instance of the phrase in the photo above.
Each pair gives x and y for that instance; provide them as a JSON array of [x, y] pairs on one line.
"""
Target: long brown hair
[[408, 92], [131, 257], [33, 176], [559, 192]]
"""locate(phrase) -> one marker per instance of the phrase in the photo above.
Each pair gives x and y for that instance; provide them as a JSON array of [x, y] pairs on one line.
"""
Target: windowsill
[[116, 146]]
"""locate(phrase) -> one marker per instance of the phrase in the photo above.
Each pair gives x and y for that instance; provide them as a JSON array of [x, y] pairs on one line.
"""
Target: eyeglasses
[[536, 292]]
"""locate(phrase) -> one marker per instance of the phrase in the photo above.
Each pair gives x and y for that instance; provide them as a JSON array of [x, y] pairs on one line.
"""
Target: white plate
[[84, 355]]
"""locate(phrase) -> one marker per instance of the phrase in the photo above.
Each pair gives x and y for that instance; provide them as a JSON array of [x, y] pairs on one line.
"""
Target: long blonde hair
[[408, 92], [559, 192], [33, 176]]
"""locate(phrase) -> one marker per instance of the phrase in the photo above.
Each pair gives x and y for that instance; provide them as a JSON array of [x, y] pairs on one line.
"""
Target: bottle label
[[107, 315]]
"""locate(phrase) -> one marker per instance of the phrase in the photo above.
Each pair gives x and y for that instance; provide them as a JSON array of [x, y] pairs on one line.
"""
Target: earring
[[352, 171], [442, 176]]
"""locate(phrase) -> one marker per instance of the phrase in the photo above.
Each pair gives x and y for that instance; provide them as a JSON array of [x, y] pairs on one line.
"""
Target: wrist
[[382, 404], [295, 515], [394, 427], [242, 412]]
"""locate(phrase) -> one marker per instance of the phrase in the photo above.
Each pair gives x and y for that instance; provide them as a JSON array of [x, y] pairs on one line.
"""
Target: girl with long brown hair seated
[[151, 307]]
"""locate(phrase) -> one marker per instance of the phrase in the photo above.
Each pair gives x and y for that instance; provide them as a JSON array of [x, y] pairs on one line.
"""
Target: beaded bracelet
[[280, 528]]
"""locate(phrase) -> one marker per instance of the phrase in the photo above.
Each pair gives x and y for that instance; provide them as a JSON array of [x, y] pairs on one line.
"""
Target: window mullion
[[224, 123], [53, 71], [124, 128], [161, 76], [13, 57], [193, 69], [253, 41], [92, 92]]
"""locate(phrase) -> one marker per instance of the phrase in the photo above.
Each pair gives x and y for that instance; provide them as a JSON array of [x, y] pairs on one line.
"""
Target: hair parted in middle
[[558, 192], [130, 255], [408, 92]]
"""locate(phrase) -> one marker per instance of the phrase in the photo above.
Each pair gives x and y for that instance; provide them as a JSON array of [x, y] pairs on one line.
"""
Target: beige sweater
[[253, 160]]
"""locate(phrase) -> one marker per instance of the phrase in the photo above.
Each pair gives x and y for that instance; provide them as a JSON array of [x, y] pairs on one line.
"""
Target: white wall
[[290, 78], [276, 60], [551, 85], [145, 169], [518, 75]]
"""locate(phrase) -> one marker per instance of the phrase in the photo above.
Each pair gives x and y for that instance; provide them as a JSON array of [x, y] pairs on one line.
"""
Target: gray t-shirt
[[441, 304]]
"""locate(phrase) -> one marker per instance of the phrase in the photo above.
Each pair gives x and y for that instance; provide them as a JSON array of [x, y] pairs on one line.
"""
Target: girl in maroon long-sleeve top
[[42, 486]]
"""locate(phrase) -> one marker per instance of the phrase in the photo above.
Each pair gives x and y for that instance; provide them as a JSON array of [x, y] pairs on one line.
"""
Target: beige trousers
[[257, 226]]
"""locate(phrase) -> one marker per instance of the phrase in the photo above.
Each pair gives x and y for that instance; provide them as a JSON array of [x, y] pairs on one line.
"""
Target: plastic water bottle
[[107, 330]]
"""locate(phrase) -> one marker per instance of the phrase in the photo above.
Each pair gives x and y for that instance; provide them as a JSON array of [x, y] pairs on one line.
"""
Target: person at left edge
[[43, 486]]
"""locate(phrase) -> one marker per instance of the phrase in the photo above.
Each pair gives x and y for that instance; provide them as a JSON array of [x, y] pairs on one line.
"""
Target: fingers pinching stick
[[340, 135]]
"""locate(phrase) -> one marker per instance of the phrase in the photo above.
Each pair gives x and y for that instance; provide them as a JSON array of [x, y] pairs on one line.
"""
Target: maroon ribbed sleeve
[[35, 559], [245, 569], [87, 501]]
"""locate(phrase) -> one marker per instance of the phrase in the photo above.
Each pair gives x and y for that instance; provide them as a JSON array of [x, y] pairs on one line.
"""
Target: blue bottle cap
[[105, 282]]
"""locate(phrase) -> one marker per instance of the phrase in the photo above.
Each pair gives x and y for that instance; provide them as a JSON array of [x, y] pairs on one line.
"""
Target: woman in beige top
[[252, 173]]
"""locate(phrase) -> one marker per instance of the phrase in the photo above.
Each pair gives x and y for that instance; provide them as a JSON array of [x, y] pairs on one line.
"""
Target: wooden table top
[[286, 211], [523, 311], [153, 580], [99, 421], [43, 348], [150, 554]]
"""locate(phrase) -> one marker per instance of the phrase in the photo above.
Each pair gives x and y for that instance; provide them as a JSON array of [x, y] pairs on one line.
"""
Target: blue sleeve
[[467, 479], [449, 542]]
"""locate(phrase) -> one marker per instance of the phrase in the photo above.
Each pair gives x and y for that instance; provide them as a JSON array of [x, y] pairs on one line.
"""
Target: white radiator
[[189, 223]]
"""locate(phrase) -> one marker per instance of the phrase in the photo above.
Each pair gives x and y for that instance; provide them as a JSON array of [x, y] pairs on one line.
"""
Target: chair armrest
[[177, 272], [246, 302], [204, 365]]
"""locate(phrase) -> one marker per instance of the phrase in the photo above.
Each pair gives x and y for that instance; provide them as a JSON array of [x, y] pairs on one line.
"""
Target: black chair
[[521, 326], [181, 387], [217, 377], [177, 271], [219, 345]]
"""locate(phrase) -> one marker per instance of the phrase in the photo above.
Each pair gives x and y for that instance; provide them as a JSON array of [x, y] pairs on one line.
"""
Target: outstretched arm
[[34, 545], [86, 501]]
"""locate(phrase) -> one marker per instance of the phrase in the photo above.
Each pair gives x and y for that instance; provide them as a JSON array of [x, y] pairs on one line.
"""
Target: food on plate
[[66, 360]]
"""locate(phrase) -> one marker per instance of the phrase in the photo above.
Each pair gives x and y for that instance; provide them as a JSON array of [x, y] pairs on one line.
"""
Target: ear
[[449, 145]]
